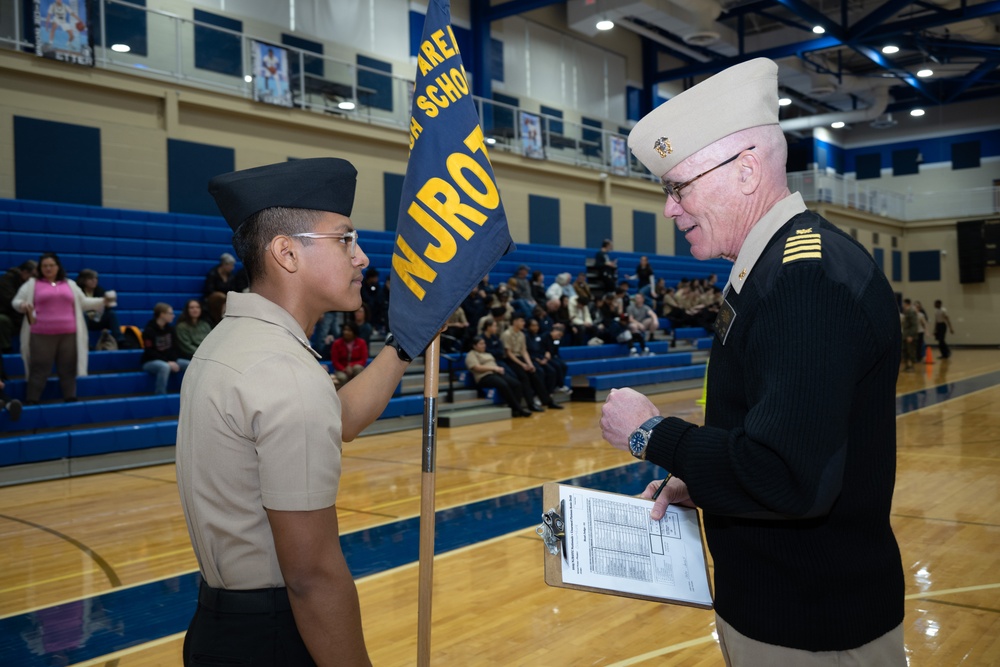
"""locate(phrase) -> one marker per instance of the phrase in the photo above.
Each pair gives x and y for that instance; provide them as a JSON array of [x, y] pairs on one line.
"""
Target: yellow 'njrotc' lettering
[[438, 206]]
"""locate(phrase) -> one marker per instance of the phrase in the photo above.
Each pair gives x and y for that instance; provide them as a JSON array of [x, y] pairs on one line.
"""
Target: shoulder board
[[802, 244]]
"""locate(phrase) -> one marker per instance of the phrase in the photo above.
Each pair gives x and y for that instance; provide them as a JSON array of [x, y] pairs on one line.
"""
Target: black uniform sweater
[[795, 466]]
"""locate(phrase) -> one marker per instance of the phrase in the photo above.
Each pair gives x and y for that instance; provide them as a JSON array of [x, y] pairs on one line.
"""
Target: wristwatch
[[390, 341], [639, 440]]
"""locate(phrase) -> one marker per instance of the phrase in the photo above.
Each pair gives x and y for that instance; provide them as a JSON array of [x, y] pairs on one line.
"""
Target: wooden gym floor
[[98, 570]]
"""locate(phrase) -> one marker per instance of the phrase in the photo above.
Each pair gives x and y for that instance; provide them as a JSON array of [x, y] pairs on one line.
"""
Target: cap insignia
[[663, 147]]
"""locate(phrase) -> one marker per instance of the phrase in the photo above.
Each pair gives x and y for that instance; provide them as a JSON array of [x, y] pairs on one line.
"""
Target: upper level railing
[[173, 48], [865, 195]]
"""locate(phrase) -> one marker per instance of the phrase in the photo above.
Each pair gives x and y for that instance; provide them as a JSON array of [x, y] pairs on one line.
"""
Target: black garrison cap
[[319, 184]]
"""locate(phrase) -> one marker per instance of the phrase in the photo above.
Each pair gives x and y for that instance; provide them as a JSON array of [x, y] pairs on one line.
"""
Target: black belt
[[257, 601]]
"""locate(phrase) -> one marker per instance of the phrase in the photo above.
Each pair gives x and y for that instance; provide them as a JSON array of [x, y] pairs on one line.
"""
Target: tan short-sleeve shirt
[[259, 427]]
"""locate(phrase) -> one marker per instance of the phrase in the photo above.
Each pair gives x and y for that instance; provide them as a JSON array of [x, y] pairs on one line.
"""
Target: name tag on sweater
[[724, 320]]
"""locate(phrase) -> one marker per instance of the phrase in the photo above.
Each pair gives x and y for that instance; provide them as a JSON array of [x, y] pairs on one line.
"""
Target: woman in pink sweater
[[54, 330]]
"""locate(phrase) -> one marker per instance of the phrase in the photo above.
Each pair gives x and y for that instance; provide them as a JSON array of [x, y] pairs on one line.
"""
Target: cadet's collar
[[760, 234], [239, 304]]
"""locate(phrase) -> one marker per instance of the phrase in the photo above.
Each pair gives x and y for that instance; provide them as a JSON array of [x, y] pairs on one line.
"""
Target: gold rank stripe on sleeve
[[805, 246]]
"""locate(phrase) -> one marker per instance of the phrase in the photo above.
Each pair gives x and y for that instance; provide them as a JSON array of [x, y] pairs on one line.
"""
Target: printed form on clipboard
[[609, 544]]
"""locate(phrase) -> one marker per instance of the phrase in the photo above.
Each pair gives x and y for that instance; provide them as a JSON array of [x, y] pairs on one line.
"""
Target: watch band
[[639, 440], [391, 341]]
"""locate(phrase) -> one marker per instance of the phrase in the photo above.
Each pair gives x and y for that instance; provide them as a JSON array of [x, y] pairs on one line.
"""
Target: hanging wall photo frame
[[62, 31], [270, 74]]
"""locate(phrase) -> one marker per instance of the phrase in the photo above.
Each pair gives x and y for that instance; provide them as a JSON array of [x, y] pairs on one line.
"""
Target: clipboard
[[555, 531]]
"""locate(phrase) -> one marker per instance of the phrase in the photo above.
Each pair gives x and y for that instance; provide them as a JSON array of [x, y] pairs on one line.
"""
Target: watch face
[[636, 443]]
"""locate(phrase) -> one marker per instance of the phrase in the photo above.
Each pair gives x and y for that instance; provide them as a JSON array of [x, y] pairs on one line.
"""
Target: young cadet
[[261, 426], [795, 464]]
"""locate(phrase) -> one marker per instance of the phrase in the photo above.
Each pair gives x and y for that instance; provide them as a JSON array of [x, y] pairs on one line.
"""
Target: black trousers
[[44, 350], [508, 388], [254, 628], [940, 331]]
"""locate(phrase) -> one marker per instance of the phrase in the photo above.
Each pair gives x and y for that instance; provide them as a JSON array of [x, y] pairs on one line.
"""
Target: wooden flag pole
[[427, 516]]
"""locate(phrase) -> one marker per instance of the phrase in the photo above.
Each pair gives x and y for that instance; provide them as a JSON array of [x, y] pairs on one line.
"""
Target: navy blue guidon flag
[[451, 228]]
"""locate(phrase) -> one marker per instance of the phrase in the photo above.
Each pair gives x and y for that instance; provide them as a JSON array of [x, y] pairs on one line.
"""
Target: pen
[[662, 486]]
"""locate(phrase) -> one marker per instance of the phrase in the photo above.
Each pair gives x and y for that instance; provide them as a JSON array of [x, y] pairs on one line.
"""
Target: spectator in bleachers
[[560, 288], [515, 347], [348, 354], [488, 374], [607, 268], [644, 276], [161, 355], [551, 343], [374, 297], [545, 322], [99, 321], [643, 315], [220, 278], [581, 321], [362, 323], [538, 288], [191, 328], [325, 332], [53, 329], [475, 306], [520, 291], [540, 357], [11, 317], [582, 288], [13, 406], [218, 283], [615, 326], [456, 332]]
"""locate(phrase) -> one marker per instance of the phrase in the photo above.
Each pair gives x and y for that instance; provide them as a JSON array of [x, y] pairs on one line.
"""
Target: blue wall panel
[[644, 232], [57, 162], [925, 266], [597, 223], [879, 255], [218, 50], [897, 265], [189, 167], [392, 186], [543, 220]]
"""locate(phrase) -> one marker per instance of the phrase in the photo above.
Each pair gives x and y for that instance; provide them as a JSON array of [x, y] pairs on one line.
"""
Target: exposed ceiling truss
[[843, 70]]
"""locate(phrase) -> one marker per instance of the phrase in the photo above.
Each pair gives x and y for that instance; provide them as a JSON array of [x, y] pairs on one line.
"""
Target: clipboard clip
[[553, 531]]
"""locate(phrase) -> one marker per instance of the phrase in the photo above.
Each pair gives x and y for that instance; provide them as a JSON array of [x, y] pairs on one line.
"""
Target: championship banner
[[62, 31], [451, 228], [270, 74]]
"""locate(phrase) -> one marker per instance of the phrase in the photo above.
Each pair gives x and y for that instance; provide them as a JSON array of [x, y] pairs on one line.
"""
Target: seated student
[[160, 354], [362, 318], [540, 357], [14, 406], [488, 374], [97, 320], [532, 379], [349, 355], [191, 328], [551, 342]]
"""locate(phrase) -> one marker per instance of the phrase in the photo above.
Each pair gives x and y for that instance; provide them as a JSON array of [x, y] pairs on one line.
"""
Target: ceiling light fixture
[[890, 49], [605, 24], [346, 105], [248, 78], [917, 112], [784, 101], [925, 72], [837, 124], [491, 141], [121, 48], [818, 29]]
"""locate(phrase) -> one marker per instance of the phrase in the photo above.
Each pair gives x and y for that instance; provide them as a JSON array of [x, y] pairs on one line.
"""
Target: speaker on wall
[[971, 252]]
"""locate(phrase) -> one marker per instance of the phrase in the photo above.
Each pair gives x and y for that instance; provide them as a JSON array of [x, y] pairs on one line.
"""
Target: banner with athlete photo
[[619, 155], [62, 31], [531, 136], [270, 74]]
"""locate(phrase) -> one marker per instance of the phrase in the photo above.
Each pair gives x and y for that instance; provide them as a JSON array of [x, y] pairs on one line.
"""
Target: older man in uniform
[[261, 426], [795, 465]]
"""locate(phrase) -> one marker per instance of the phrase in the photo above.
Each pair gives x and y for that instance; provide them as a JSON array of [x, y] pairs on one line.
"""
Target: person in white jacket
[[54, 330]]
